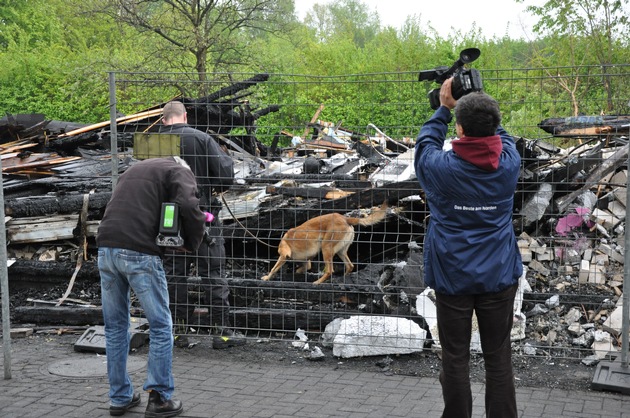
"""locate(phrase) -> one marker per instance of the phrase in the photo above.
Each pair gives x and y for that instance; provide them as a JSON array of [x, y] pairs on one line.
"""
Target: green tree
[[348, 19], [600, 25], [202, 35], [54, 60]]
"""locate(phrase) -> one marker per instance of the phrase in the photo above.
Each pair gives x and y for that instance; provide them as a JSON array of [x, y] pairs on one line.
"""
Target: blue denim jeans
[[122, 270], [495, 317]]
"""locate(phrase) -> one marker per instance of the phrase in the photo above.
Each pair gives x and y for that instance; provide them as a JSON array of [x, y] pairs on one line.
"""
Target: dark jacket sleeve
[[430, 142], [221, 166], [509, 147], [183, 191]]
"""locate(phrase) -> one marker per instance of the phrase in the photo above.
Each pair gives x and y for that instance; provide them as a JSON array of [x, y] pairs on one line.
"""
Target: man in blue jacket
[[470, 253]]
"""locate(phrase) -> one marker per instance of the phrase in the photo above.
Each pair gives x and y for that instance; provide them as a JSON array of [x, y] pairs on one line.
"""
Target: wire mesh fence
[[305, 147]]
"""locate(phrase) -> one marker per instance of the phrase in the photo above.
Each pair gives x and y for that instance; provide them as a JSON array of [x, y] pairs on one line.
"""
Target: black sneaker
[[181, 341], [117, 411], [159, 409], [227, 337]]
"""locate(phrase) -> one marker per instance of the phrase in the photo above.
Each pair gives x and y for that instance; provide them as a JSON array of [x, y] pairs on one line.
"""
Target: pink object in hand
[[209, 217]]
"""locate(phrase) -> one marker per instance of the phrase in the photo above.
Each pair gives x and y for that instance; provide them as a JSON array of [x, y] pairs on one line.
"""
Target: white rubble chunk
[[613, 323], [597, 274], [621, 177], [603, 344], [539, 267], [534, 209], [605, 218], [617, 209], [362, 336]]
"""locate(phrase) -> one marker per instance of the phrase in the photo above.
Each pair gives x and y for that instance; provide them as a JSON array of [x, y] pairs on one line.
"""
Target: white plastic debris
[[302, 339], [553, 302]]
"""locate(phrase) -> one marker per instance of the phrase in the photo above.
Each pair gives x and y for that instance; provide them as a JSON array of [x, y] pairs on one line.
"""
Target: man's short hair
[[478, 114], [173, 109]]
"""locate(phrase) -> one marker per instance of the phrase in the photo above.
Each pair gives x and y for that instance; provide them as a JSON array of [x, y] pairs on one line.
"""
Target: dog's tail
[[376, 216]]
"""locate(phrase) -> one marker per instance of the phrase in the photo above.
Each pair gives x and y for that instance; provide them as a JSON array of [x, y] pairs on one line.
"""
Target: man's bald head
[[174, 112]]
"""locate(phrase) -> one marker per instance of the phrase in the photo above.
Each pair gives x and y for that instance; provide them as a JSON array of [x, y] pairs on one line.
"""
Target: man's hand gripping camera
[[465, 80]]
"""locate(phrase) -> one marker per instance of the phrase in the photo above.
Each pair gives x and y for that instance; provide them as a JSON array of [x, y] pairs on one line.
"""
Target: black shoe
[[157, 408], [226, 337], [120, 410], [181, 341]]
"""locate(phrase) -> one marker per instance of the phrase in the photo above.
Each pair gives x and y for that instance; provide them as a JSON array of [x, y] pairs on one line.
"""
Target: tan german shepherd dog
[[331, 234]]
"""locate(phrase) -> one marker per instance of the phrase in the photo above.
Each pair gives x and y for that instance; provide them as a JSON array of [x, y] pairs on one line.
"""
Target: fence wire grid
[[306, 146]]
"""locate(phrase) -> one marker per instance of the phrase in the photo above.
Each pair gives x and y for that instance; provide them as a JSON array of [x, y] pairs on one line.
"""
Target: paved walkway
[[228, 387]]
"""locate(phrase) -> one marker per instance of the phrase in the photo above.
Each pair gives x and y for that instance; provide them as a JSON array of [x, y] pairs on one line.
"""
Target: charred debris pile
[[569, 210]]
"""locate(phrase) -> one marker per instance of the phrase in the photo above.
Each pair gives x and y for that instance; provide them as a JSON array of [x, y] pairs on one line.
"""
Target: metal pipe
[[113, 135], [4, 287], [626, 279]]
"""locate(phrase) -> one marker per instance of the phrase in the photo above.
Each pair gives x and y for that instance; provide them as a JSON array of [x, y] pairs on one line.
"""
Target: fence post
[[113, 135], [4, 282], [614, 375], [626, 279]]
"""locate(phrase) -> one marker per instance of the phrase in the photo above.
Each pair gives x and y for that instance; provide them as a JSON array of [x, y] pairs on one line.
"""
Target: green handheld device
[[169, 233]]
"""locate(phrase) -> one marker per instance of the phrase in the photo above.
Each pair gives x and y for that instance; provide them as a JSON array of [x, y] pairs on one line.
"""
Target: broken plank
[[12, 148], [30, 230], [35, 161], [123, 119]]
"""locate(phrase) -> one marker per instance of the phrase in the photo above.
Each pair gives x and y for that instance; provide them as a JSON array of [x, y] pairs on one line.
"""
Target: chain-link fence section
[[305, 146]]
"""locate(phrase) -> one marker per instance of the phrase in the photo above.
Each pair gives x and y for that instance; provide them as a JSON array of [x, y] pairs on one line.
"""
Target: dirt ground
[[537, 372], [529, 371]]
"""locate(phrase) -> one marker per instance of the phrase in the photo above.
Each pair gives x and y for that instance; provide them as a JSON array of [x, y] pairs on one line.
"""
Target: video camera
[[465, 80]]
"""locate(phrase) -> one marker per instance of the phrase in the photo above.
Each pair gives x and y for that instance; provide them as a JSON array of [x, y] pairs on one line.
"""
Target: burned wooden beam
[[49, 205], [74, 315], [69, 145], [585, 125], [307, 192], [283, 319], [232, 89], [306, 292], [32, 273]]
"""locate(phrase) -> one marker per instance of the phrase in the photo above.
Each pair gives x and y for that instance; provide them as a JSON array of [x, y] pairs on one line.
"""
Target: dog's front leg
[[324, 277], [328, 270]]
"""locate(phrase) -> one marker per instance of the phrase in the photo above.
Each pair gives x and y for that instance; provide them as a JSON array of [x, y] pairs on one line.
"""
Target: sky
[[445, 15]]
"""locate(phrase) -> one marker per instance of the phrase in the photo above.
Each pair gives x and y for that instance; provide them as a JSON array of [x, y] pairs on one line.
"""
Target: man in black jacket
[[214, 170], [129, 258]]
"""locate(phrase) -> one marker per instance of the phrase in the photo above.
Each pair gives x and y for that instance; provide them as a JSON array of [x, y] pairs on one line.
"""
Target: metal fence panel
[[306, 146]]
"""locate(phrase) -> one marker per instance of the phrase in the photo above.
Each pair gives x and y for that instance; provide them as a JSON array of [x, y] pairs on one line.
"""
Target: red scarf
[[481, 151]]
